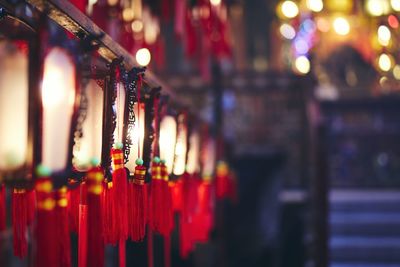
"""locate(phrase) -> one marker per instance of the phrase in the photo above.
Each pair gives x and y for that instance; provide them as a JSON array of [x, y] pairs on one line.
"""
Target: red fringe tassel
[[2, 208], [62, 229], [19, 210], [73, 207]]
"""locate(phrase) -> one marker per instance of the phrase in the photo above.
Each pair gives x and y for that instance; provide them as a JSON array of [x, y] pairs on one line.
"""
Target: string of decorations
[[98, 153]]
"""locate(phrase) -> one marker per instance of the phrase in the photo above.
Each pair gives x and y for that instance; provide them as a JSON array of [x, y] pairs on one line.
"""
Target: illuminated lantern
[[58, 99], [193, 160], [168, 135], [14, 97], [136, 136], [90, 144], [181, 146]]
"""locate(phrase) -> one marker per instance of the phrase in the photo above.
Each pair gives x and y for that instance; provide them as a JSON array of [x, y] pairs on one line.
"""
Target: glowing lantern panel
[[193, 154], [181, 147], [168, 131], [58, 98], [13, 107], [137, 136]]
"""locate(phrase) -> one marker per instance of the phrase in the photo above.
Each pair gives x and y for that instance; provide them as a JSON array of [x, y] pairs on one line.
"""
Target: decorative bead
[[118, 145], [43, 171], [94, 161], [139, 161], [156, 160], [163, 161]]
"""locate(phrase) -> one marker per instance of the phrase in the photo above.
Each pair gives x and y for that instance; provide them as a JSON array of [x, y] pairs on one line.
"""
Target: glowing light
[[384, 35], [215, 2], [377, 7], [112, 2], [287, 31], [341, 26], [58, 98], [143, 57], [181, 146], [384, 62], [302, 65], [289, 9], [315, 5], [137, 26], [136, 135], [395, 5], [128, 14], [301, 46], [393, 22], [308, 25], [194, 153], [168, 134], [323, 25], [396, 72]]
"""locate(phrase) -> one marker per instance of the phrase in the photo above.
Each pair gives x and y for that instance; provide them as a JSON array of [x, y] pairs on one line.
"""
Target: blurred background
[[306, 95]]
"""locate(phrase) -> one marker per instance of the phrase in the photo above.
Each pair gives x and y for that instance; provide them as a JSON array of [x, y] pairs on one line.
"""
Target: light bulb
[[384, 35], [302, 64]]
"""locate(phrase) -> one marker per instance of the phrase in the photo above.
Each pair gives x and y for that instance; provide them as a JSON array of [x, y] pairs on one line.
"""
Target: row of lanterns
[[102, 153]]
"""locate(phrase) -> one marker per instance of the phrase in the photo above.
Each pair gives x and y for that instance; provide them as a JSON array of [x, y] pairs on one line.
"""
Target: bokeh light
[[143, 57], [287, 31], [289, 9], [377, 7], [341, 26], [395, 5], [385, 62], [384, 35], [302, 65], [315, 5], [396, 72]]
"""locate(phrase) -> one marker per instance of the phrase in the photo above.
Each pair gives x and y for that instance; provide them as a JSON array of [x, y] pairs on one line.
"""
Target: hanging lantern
[[136, 134], [59, 103], [90, 144], [181, 145], [193, 160], [168, 134], [14, 97]]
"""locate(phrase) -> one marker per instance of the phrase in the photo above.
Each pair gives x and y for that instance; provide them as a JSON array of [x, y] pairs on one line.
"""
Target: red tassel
[[204, 219], [166, 223], [109, 223], [120, 194], [19, 222], [82, 236], [177, 195], [155, 216], [138, 203], [95, 240], [45, 230], [73, 206], [2, 208], [62, 234], [120, 201], [222, 180]]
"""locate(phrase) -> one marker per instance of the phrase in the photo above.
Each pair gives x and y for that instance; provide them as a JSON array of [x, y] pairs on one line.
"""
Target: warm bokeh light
[[323, 25], [315, 5], [112, 2], [393, 21], [137, 26], [341, 26], [289, 9], [143, 57], [128, 14], [396, 72], [395, 5], [385, 62], [384, 35], [287, 31], [215, 2], [302, 65], [377, 7]]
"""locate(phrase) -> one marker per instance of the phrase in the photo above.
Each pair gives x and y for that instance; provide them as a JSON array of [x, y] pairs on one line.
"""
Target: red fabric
[[82, 236], [95, 248], [45, 230], [73, 207], [19, 212], [2, 208], [203, 221], [109, 223], [62, 230]]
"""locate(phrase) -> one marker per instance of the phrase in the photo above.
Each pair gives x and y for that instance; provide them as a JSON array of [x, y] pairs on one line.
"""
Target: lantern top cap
[[118, 145], [94, 161], [156, 160]]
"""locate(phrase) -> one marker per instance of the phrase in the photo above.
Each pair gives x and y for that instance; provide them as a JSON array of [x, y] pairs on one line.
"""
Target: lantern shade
[[181, 146], [13, 106], [120, 109], [137, 137], [91, 141], [58, 98], [193, 159], [168, 131], [209, 158]]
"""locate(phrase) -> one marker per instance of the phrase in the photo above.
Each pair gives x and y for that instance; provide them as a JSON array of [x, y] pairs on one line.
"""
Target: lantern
[[13, 107], [181, 145], [208, 158], [90, 144], [136, 134], [193, 159], [58, 100], [167, 140]]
